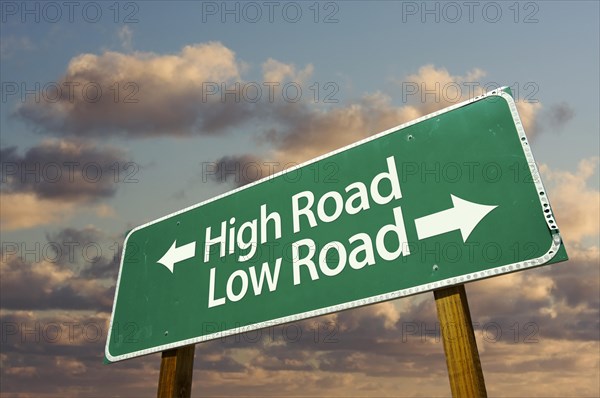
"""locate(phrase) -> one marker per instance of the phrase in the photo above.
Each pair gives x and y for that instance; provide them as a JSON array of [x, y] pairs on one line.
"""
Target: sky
[[116, 113]]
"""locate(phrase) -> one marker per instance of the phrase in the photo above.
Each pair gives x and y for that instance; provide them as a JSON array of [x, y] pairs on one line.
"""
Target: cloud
[[433, 88], [301, 131], [49, 286], [279, 72], [52, 180], [200, 90], [126, 37], [26, 210], [89, 251], [307, 132], [369, 349], [574, 201], [142, 94], [61, 169], [559, 301], [517, 341], [556, 366], [537, 119], [59, 353], [240, 170], [105, 211], [557, 116], [528, 112], [73, 269]]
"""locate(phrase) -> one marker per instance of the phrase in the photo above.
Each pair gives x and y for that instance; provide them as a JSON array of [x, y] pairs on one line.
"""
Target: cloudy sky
[[114, 114]]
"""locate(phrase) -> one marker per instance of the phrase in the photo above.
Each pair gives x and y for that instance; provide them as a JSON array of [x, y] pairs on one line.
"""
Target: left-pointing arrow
[[176, 254]]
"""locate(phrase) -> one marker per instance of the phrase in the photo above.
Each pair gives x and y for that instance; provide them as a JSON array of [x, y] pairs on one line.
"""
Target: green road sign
[[452, 197]]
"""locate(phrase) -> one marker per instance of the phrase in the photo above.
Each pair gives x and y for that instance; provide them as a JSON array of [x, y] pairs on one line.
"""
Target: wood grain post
[[462, 357], [176, 369]]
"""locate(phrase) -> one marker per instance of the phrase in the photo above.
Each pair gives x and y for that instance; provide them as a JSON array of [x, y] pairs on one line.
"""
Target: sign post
[[450, 198], [176, 369], [462, 357]]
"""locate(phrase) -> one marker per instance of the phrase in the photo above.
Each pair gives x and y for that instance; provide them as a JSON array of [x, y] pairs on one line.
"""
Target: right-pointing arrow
[[464, 215]]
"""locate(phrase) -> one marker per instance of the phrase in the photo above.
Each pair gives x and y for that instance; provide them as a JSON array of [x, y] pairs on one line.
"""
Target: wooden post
[[462, 357], [176, 368]]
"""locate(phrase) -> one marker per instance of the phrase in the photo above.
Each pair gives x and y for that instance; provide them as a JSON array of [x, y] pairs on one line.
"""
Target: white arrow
[[464, 215], [176, 254]]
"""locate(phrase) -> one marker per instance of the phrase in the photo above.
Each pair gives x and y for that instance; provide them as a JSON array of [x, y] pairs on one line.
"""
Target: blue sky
[[366, 56]]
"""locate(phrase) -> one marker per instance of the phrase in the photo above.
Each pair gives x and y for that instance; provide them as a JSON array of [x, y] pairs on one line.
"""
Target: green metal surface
[[476, 151]]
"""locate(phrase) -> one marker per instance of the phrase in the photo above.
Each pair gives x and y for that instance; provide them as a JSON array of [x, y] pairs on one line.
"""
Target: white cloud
[[528, 112], [142, 93], [574, 201], [276, 71], [26, 210], [126, 37]]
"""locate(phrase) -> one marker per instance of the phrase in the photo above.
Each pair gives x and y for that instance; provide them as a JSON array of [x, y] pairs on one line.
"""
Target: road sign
[[449, 198]]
